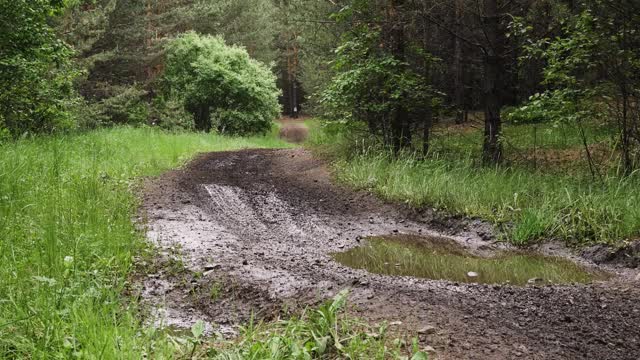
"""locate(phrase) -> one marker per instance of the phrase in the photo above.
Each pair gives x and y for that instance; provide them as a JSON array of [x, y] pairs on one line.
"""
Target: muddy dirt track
[[256, 229]]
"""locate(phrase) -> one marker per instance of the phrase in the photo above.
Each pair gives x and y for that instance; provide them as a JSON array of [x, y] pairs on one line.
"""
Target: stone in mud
[[472, 274], [427, 330], [429, 349], [638, 277]]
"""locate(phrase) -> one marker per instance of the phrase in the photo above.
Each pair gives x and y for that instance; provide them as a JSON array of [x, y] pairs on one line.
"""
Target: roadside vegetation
[[67, 205], [556, 199], [322, 333]]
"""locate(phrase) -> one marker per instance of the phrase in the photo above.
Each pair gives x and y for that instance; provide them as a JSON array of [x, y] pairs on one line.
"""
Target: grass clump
[[527, 204], [67, 239], [323, 333]]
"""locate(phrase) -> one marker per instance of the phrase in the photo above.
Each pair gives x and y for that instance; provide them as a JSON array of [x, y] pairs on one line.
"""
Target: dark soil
[[256, 230]]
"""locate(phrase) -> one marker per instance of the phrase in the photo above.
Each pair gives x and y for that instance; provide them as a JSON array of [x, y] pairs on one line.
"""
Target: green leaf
[[197, 330], [420, 356]]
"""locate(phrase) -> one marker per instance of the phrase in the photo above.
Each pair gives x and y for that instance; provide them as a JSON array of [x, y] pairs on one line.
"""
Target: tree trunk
[[493, 72], [627, 162], [202, 117], [400, 130], [457, 65], [426, 132]]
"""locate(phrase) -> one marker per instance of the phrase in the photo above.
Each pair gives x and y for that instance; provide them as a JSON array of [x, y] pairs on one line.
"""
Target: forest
[[319, 179]]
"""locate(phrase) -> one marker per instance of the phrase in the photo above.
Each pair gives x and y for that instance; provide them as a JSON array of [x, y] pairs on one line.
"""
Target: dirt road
[[256, 229]]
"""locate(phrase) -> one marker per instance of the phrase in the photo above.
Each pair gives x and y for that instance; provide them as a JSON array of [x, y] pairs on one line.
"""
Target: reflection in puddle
[[444, 259]]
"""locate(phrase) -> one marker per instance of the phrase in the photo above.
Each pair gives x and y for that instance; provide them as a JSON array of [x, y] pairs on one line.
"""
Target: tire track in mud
[[261, 224]]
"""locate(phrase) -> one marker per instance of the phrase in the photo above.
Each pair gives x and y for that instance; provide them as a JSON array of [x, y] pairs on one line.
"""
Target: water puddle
[[444, 259]]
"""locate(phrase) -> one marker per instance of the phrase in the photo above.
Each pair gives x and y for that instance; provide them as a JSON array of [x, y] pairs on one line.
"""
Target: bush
[[36, 78], [126, 106], [171, 115], [221, 85]]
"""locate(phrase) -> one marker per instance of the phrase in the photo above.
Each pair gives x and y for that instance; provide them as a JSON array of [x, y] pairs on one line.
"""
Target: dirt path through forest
[[256, 229]]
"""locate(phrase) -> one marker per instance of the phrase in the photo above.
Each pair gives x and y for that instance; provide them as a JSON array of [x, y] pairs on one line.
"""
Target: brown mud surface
[[293, 130], [255, 231]]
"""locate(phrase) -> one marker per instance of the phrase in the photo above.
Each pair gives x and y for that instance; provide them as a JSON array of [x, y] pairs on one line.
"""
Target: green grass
[[519, 140], [67, 249], [527, 204], [323, 333], [67, 239]]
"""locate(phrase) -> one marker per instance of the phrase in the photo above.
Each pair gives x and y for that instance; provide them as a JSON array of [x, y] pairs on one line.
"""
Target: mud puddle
[[256, 231], [444, 259]]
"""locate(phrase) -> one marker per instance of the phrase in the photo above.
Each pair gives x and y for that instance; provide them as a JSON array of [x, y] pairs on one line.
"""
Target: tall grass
[[527, 204], [67, 239]]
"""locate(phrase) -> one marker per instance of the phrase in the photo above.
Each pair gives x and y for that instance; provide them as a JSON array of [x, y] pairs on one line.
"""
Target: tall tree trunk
[[428, 115], [426, 131], [493, 83], [201, 116], [627, 162], [400, 130], [457, 64], [295, 107]]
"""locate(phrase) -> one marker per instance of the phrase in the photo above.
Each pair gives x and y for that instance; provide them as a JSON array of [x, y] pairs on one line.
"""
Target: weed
[[323, 333], [215, 291]]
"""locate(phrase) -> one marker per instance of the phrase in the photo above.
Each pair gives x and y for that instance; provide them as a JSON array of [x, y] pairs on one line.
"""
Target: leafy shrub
[[221, 85], [126, 106], [171, 115], [550, 106], [35, 73]]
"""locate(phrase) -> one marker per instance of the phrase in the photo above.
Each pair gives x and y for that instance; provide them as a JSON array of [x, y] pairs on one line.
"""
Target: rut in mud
[[256, 230]]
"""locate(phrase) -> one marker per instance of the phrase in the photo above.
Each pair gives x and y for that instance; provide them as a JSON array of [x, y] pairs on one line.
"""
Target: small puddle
[[444, 259]]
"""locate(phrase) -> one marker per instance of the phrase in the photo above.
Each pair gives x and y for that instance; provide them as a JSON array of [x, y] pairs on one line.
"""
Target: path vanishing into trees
[[255, 230]]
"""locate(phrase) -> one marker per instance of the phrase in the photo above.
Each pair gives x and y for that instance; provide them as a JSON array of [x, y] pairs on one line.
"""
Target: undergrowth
[[67, 239], [527, 205], [322, 333]]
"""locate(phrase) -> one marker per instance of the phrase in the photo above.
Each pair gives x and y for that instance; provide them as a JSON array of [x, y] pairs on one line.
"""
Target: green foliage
[[221, 85], [593, 69], [125, 106], [323, 333], [35, 74], [171, 115], [252, 24], [527, 205], [552, 106], [68, 242], [371, 84]]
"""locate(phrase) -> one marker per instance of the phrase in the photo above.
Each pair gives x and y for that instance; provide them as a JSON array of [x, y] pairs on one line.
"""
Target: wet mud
[[445, 259], [253, 232]]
